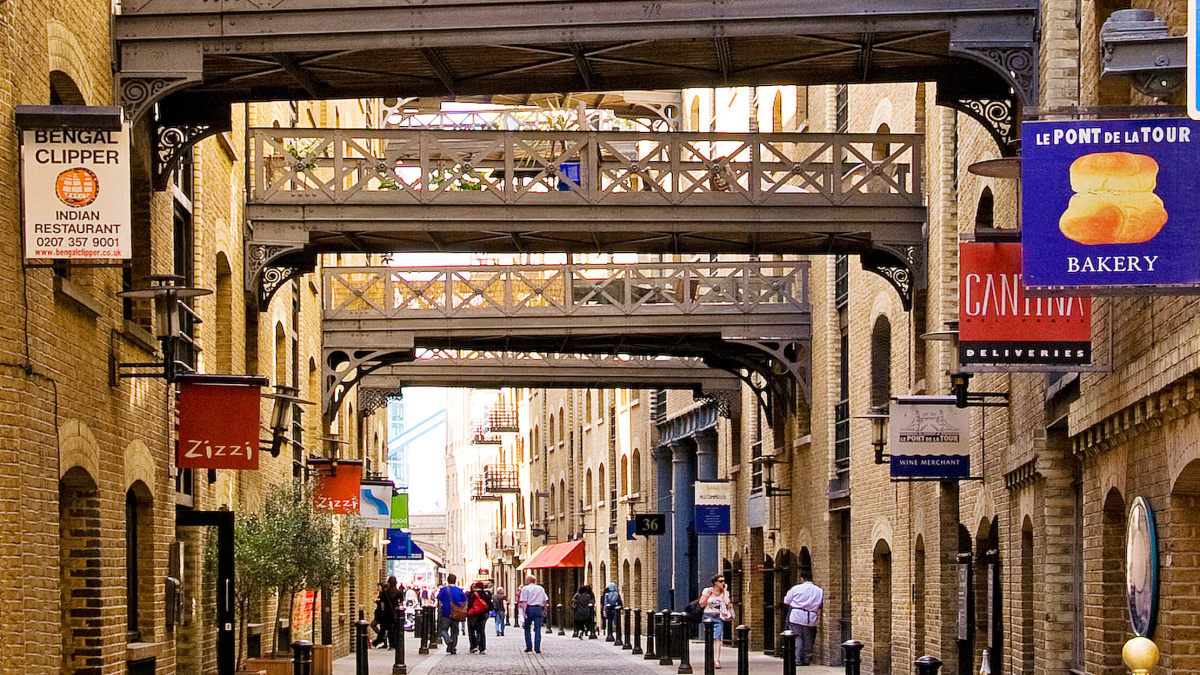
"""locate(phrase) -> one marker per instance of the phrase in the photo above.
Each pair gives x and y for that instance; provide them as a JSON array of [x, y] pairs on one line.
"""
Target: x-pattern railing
[[755, 287], [479, 357], [427, 166]]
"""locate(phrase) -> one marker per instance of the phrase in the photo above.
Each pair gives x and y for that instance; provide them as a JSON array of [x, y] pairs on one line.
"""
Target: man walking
[[532, 601], [805, 600], [452, 609]]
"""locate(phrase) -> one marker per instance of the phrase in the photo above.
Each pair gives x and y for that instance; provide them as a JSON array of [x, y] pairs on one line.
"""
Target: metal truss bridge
[[323, 190], [750, 318]]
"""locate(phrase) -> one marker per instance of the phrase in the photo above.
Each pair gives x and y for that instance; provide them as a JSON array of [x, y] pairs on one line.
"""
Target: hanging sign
[[337, 489], [1141, 568], [1110, 204], [76, 189], [713, 499], [218, 426], [650, 524], [375, 504], [999, 325], [400, 510], [928, 437], [400, 546]]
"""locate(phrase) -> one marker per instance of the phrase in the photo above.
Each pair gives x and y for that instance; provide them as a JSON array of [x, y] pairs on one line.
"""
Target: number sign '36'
[[218, 426], [649, 524]]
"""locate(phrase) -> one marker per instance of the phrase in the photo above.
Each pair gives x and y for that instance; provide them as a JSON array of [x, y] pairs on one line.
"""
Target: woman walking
[[381, 622], [479, 605], [582, 607], [718, 606], [500, 607]]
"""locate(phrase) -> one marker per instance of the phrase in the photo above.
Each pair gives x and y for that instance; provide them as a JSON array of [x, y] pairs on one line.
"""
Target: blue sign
[[1110, 203], [712, 519], [400, 546], [1193, 61]]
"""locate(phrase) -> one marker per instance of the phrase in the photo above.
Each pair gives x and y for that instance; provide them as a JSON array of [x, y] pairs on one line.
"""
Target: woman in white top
[[718, 606]]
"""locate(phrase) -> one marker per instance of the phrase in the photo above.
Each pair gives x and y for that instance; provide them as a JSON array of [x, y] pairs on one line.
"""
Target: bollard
[[927, 665], [361, 646], [627, 644], [606, 625], [549, 619], [592, 623], [559, 609], [678, 636], [787, 642], [664, 638], [679, 625], [650, 630], [710, 666], [637, 631], [743, 649], [398, 666], [852, 656], [419, 631], [302, 652], [431, 627]]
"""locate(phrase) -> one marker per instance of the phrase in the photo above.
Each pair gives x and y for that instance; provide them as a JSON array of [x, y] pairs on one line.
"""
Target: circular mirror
[[1141, 568]]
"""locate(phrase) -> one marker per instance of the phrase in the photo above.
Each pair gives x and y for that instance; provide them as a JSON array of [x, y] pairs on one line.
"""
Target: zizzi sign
[[1110, 204], [218, 426], [337, 489], [999, 325], [76, 188]]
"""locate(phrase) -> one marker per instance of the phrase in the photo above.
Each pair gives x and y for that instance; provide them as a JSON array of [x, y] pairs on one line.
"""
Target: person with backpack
[[452, 608], [500, 607], [479, 605], [612, 605]]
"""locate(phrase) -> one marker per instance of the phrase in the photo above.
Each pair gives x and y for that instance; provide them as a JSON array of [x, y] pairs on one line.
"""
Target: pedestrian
[[532, 601], [718, 607], [479, 604], [452, 608], [805, 600], [380, 622], [392, 594], [582, 606], [611, 604], [520, 613], [500, 607]]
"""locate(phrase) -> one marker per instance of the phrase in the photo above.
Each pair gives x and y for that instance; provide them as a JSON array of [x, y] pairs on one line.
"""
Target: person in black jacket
[[583, 608], [381, 620], [479, 606]]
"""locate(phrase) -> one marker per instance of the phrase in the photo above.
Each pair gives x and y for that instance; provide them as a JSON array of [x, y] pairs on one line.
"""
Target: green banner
[[400, 510]]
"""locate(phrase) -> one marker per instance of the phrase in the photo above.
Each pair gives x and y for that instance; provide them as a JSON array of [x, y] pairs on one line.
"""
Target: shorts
[[718, 626]]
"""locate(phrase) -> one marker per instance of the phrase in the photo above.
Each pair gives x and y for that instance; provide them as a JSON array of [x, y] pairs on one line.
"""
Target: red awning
[[554, 556]]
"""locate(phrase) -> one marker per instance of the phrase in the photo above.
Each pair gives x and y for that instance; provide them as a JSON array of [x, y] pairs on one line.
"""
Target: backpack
[[479, 607]]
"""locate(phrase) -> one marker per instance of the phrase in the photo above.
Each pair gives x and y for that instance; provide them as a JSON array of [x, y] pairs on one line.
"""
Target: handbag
[[458, 610], [480, 606]]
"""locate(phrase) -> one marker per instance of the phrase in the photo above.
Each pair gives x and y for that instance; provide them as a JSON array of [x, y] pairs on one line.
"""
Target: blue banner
[[400, 546], [1110, 203], [712, 519], [943, 467]]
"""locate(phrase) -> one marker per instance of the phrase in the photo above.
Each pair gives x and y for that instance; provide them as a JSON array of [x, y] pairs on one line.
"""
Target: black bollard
[[419, 631], [664, 638], [743, 649], [710, 665], [787, 642], [928, 665], [637, 632], [549, 619], [650, 632], [592, 623], [606, 625], [561, 616], [361, 646], [852, 656], [431, 627], [679, 626], [302, 652], [627, 644], [398, 666]]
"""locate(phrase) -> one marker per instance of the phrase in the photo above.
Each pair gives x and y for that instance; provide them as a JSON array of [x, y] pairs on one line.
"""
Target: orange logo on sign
[[77, 187]]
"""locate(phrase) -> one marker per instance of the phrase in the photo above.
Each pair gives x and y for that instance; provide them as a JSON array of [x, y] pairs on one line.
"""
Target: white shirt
[[805, 599], [533, 595]]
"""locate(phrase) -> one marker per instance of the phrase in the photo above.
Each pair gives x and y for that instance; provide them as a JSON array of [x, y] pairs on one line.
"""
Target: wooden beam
[[585, 70], [434, 58], [315, 88]]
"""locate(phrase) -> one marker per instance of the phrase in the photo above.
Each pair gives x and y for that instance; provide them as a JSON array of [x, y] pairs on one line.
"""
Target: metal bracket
[[1016, 64], [370, 400], [172, 138], [343, 368], [997, 113], [139, 94], [902, 266], [726, 401], [270, 266]]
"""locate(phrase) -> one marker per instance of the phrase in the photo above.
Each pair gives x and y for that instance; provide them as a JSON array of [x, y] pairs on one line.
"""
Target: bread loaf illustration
[[1114, 201]]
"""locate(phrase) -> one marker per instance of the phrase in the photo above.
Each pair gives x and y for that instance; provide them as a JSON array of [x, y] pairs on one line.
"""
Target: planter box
[[270, 666], [322, 660]]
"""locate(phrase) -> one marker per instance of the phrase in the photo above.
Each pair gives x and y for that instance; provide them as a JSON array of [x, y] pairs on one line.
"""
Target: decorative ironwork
[[1017, 64], [479, 492], [902, 266], [170, 142], [997, 114], [481, 435], [344, 368], [270, 266], [501, 479], [503, 419], [725, 401], [139, 94], [371, 400]]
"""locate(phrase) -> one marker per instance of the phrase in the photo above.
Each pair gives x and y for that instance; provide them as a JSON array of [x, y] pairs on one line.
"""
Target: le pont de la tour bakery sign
[[75, 180]]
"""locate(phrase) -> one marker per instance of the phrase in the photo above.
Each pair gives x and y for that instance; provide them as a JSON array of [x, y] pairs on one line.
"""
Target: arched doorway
[[785, 578], [79, 569], [770, 597], [1115, 616], [989, 611], [881, 579]]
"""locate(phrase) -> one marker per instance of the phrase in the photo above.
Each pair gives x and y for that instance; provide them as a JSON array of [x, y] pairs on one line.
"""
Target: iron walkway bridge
[[326, 190], [752, 319]]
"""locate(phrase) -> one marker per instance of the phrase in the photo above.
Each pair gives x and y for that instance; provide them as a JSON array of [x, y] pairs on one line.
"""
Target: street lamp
[[879, 432], [959, 381], [167, 292], [284, 398]]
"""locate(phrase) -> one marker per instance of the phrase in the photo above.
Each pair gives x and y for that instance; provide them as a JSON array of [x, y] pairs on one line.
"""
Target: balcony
[[503, 419], [502, 479], [481, 435], [479, 492]]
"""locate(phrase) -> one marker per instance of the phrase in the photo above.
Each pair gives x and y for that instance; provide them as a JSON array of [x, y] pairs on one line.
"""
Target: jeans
[[533, 621], [806, 637], [501, 619], [449, 630], [476, 634]]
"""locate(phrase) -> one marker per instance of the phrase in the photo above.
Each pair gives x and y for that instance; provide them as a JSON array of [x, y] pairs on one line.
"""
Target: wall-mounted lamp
[[168, 294], [879, 432], [285, 398], [959, 381], [768, 463]]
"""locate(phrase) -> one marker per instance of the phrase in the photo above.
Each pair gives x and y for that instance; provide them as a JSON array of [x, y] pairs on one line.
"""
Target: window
[[636, 476], [624, 476], [562, 497], [881, 362], [601, 484], [587, 488], [139, 581], [777, 113], [985, 212]]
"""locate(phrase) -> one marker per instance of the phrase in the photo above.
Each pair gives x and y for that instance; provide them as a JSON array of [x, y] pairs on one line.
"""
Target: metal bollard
[[431, 627], [419, 631], [852, 656], [710, 666], [928, 665], [592, 623], [616, 622], [650, 631], [606, 625], [361, 646], [743, 649], [787, 641], [637, 631], [628, 645], [664, 638], [549, 619], [559, 609], [679, 625], [302, 652], [398, 666]]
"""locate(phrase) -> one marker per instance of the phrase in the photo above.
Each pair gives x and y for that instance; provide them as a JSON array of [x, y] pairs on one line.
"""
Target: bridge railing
[[578, 168], [753, 287]]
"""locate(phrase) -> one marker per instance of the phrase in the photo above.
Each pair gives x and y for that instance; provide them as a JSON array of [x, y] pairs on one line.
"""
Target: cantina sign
[[76, 190], [999, 325]]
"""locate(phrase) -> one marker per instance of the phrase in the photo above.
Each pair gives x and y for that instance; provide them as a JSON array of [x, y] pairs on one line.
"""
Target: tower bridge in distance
[[750, 318]]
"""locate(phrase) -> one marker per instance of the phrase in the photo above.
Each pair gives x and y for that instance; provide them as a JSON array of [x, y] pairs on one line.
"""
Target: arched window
[[694, 115], [224, 325], [603, 576], [63, 90], [636, 475], [624, 476], [985, 213], [550, 433], [562, 425], [777, 113], [550, 506], [139, 574], [601, 484], [637, 583], [587, 405], [587, 494], [881, 362], [625, 575], [537, 442], [562, 496]]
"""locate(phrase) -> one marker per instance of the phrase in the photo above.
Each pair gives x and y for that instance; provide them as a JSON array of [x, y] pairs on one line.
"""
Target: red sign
[[999, 325], [337, 488], [218, 426]]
